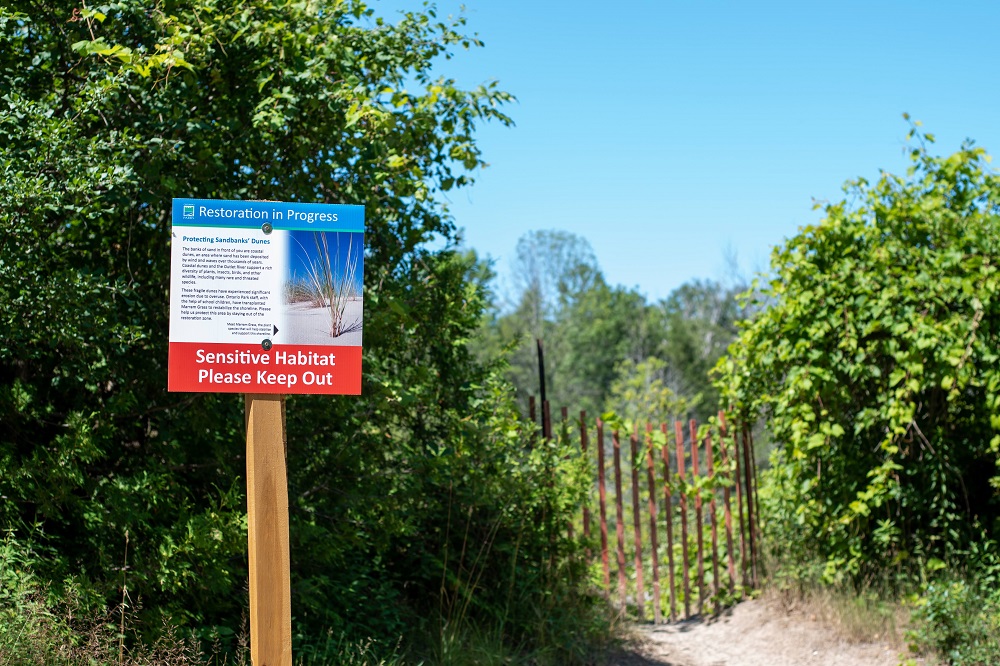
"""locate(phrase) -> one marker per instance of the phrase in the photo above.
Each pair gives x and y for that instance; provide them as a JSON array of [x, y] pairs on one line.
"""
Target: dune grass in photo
[[298, 290], [329, 283]]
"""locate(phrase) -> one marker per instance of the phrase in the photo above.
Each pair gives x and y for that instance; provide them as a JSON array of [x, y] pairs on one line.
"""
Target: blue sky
[[668, 133], [303, 250]]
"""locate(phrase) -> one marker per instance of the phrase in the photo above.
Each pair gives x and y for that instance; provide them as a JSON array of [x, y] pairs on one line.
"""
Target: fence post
[[640, 589], [756, 495], [739, 505], [682, 492], [750, 507], [586, 508], [651, 478], [603, 501], [712, 518], [668, 509], [619, 520], [541, 385], [699, 515], [727, 511]]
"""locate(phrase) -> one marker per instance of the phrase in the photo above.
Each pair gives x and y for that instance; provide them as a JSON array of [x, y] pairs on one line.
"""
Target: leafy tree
[[602, 328], [639, 393], [876, 368], [587, 326], [595, 334], [551, 270], [699, 321], [107, 113]]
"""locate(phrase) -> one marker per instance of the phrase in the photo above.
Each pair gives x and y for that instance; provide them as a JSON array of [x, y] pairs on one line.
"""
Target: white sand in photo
[[309, 325]]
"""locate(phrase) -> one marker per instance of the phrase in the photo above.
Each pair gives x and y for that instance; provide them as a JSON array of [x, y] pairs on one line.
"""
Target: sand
[[308, 325], [754, 633]]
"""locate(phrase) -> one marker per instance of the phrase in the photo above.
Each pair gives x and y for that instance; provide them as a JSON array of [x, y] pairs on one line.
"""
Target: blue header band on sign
[[281, 215]]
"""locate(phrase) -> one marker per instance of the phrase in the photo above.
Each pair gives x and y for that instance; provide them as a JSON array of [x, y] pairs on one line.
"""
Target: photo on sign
[[323, 291]]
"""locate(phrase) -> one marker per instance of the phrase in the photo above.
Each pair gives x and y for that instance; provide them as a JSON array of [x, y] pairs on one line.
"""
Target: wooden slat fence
[[664, 475]]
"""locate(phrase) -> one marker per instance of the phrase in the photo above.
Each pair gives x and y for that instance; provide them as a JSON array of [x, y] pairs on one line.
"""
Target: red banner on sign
[[247, 368]]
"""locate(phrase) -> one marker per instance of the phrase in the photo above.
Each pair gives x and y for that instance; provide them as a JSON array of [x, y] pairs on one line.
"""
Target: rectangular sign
[[266, 297]]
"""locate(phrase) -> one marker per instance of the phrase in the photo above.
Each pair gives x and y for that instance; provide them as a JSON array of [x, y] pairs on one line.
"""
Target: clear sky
[[668, 132], [306, 251]]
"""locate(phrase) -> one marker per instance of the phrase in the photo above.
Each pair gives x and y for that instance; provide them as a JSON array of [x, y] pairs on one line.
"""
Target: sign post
[[267, 513], [266, 300]]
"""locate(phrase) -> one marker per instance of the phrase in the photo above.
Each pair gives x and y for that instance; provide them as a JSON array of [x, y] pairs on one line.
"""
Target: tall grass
[[39, 627], [36, 630], [334, 289], [873, 614], [327, 284]]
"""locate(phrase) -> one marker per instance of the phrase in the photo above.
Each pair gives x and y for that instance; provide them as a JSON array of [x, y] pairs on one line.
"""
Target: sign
[[266, 297]]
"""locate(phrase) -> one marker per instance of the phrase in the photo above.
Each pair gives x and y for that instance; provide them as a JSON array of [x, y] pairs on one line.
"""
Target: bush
[[875, 365], [959, 620], [37, 628]]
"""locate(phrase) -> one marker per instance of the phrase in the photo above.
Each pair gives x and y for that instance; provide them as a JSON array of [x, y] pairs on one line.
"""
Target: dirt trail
[[754, 633]]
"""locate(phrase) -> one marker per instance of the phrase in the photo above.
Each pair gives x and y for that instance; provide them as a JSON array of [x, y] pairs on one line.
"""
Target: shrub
[[876, 368], [959, 620]]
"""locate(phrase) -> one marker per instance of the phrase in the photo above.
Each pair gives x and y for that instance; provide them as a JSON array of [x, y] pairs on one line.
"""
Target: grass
[[866, 616], [338, 651], [35, 632], [40, 629], [958, 619], [36, 628], [945, 617], [327, 285]]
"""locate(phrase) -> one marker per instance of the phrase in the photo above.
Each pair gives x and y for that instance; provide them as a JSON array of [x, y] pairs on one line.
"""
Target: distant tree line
[[607, 348]]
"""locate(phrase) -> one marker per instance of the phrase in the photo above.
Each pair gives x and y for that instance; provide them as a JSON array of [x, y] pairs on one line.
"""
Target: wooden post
[[747, 471], [602, 496], [699, 515], [756, 495], [712, 519], [682, 491], [586, 508], [541, 384], [739, 505], [267, 514], [667, 491], [727, 511], [564, 439], [533, 416], [549, 475], [640, 588], [619, 520], [651, 478]]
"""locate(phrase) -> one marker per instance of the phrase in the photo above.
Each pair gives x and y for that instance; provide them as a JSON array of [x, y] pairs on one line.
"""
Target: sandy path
[[754, 633]]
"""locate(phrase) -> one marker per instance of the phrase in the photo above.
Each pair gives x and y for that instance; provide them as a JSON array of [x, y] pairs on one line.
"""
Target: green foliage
[[552, 269], [876, 369], [699, 321], [596, 335], [958, 621], [586, 326], [38, 629], [395, 497], [639, 393]]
